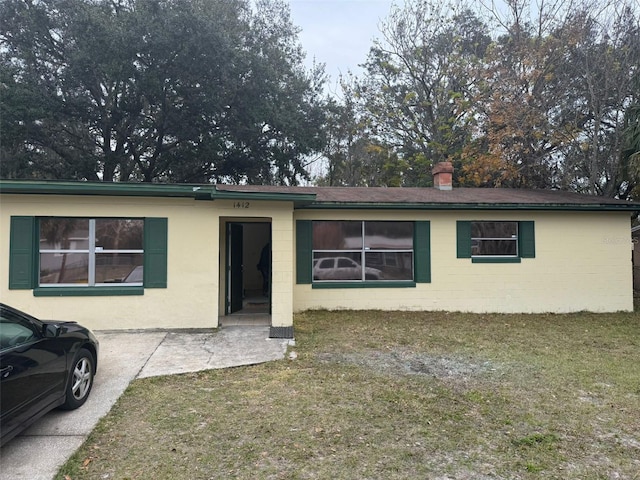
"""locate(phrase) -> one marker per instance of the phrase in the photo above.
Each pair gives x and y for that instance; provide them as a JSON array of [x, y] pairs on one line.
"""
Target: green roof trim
[[298, 198], [198, 192], [103, 188]]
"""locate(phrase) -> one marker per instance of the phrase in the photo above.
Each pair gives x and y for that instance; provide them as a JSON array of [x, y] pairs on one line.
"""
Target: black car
[[43, 365]]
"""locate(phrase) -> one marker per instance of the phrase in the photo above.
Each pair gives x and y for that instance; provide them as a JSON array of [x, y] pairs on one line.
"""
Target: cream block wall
[[583, 262], [282, 269], [191, 299]]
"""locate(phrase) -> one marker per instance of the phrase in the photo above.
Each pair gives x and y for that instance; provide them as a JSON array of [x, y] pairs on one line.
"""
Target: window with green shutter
[[88, 256], [495, 241]]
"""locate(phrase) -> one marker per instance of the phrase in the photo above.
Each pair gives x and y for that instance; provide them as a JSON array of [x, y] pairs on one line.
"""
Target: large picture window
[[358, 251], [91, 252], [59, 256]]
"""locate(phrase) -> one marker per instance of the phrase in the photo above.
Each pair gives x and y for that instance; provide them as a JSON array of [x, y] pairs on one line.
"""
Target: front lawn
[[380, 395]]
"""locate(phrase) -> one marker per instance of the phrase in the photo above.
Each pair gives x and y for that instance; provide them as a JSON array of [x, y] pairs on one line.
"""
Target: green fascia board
[[300, 199], [601, 207], [198, 192], [105, 189]]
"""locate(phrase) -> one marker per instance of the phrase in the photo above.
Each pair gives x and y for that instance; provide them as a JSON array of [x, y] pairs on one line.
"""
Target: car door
[[32, 370], [349, 269], [323, 268]]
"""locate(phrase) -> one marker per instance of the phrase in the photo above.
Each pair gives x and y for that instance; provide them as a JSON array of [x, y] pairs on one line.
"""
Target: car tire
[[80, 380]]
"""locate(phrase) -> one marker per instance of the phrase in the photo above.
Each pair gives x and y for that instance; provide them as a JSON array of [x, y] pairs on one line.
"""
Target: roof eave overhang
[[473, 206], [105, 189], [198, 192], [300, 200], [307, 201]]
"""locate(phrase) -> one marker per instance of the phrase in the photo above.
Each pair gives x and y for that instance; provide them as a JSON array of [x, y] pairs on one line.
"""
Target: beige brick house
[[131, 256]]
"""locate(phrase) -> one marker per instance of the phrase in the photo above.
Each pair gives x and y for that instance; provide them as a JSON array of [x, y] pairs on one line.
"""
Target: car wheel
[[80, 380]]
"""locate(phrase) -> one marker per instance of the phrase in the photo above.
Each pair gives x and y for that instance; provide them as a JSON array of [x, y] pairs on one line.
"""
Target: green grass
[[379, 395]]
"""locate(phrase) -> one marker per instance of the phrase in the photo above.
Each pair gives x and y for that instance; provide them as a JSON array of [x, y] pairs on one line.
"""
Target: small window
[[495, 239]]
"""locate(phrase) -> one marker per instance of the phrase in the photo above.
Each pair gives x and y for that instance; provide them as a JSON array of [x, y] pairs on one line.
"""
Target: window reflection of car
[[134, 276], [342, 268]]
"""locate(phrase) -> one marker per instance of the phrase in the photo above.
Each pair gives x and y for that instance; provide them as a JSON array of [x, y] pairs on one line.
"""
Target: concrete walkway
[[40, 451]]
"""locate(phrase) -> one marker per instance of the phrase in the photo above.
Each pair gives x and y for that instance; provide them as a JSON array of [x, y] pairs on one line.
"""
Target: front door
[[235, 281]]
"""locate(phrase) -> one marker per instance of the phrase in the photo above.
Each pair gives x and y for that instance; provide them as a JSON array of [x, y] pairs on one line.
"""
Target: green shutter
[[304, 243], [155, 253], [422, 252], [526, 240], [22, 253], [463, 239]]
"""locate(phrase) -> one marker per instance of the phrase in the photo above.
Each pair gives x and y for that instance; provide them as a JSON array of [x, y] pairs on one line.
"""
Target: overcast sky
[[338, 33]]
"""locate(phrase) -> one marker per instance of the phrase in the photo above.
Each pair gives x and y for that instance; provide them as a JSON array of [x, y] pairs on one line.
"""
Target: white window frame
[[91, 252], [513, 238], [363, 251]]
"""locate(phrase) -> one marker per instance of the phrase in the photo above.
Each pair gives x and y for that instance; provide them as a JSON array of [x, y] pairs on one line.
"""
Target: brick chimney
[[443, 176]]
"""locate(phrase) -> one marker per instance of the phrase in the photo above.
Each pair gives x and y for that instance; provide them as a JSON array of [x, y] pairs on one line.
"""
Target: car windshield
[[14, 330]]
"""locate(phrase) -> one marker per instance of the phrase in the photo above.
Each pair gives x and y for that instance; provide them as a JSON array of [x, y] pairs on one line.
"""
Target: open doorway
[[248, 267]]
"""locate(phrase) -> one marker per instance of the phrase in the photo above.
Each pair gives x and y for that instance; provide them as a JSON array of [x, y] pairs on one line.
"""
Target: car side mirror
[[51, 330]]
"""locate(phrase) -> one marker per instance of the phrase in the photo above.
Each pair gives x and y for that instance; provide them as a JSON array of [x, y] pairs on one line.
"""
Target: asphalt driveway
[[38, 453]]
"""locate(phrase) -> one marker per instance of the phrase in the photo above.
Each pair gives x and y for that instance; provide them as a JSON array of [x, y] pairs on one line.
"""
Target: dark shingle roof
[[434, 198], [336, 197]]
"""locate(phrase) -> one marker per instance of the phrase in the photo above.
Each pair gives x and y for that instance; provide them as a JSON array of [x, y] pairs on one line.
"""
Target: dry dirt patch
[[402, 362]]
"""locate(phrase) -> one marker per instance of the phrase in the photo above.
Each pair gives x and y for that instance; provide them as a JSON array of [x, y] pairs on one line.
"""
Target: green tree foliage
[[529, 95], [419, 83], [527, 103], [156, 90], [354, 155]]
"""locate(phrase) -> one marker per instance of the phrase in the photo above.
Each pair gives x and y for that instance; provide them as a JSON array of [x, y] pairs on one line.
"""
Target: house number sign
[[241, 204]]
